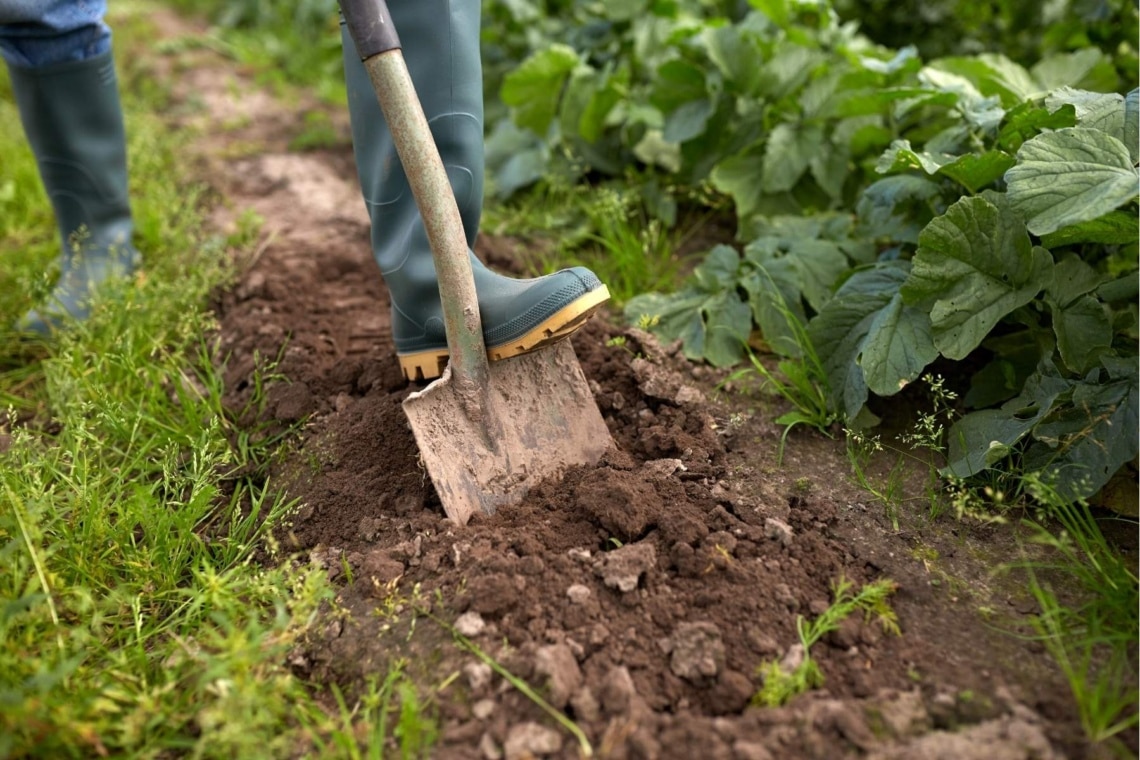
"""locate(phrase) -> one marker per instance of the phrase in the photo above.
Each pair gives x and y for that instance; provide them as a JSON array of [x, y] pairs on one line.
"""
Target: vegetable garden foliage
[[1025, 30], [968, 208]]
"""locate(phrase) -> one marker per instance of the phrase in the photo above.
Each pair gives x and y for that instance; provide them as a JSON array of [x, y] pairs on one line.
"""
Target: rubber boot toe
[[519, 316]]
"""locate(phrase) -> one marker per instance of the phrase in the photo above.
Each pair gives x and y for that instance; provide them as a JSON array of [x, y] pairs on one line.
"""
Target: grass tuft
[[791, 677]]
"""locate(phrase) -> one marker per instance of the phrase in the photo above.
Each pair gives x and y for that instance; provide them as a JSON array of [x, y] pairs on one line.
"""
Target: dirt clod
[[528, 740], [696, 651], [470, 624], [563, 676], [622, 568]]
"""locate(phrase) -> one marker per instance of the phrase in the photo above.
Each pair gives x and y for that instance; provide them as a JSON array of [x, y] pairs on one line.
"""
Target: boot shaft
[[74, 122], [440, 41]]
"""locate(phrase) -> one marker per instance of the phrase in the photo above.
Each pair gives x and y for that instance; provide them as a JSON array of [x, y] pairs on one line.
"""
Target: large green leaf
[[981, 439], [712, 327], [1095, 110], [1073, 277], [534, 88], [709, 316], [787, 70], [678, 82], [975, 171], [1088, 68], [1029, 120], [820, 264], [897, 208], [982, 111], [1132, 124], [734, 50], [899, 345], [1114, 228], [1084, 442], [1070, 176], [790, 149], [901, 157], [688, 120], [515, 157], [774, 295], [994, 74], [739, 176], [813, 266], [607, 92], [830, 168], [868, 338], [1084, 332], [974, 265], [971, 170]]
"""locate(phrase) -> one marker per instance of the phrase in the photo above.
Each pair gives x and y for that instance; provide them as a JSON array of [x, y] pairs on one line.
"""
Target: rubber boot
[[74, 123], [441, 46]]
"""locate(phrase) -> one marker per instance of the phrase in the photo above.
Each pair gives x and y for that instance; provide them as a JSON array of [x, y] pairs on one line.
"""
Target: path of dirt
[[639, 595]]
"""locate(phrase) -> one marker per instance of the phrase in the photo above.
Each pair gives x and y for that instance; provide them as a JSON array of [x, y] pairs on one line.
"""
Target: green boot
[[440, 41], [74, 123]]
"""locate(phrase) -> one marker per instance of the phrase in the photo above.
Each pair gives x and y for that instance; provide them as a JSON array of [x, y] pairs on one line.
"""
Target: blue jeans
[[36, 33]]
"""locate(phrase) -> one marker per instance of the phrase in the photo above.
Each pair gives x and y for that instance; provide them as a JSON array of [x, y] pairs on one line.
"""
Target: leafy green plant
[[1025, 30], [781, 681], [927, 435], [979, 257], [699, 92]]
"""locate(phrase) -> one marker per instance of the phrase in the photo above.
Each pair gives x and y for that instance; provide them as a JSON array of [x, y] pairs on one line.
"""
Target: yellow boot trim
[[428, 365]]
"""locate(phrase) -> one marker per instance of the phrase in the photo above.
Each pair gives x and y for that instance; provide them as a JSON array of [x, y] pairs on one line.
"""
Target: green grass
[[628, 250], [134, 620], [605, 228], [285, 43], [1093, 641], [390, 708], [800, 380]]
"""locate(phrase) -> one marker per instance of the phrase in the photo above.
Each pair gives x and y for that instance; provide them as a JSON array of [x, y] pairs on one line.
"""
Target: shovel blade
[[484, 448]]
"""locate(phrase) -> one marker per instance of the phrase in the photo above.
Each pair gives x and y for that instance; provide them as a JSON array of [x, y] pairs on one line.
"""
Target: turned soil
[[638, 596]]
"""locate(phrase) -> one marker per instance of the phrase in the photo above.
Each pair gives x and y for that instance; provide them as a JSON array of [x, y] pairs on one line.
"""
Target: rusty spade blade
[[487, 432]]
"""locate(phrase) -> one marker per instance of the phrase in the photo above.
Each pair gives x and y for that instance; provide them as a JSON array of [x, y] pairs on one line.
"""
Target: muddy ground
[[638, 596]]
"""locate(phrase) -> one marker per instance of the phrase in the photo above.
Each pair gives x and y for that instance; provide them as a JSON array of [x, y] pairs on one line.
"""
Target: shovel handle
[[370, 25]]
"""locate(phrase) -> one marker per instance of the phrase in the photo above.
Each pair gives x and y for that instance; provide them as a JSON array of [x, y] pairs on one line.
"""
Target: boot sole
[[423, 366]]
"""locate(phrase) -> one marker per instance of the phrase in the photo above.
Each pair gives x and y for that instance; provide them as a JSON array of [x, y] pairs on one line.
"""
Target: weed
[[318, 132], [647, 322], [630, 252], [801, 381], [1094, 644], [889, 491], [927, 434], [368, 721], [804, 387], [796, 675]]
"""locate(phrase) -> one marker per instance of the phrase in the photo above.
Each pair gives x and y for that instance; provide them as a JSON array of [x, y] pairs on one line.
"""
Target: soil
[[638, 596]]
